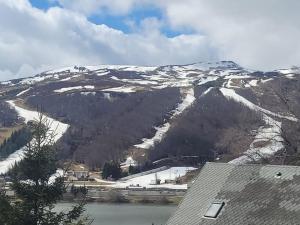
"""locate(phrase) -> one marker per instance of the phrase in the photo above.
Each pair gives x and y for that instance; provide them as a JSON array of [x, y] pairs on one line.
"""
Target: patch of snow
[[266, 80], [285, 71], [129, 162], [141, 69], [89, 87], [103, 73], [59, 173], [150, 142], [58, 127], [62, 90], [33, 80], [293, 70], [75, 76], [270, 133], [107, 96], [122, 89], [122, 68], [290, 76], [70, 69], [8, 163], [186, 102], [88, 93], [230, 84], [134, 81], [207, 79], [6, 82], [253, 83], [146, 180], [207, 91], [69, 78], [242, 76], [23, 92], [66, 79]]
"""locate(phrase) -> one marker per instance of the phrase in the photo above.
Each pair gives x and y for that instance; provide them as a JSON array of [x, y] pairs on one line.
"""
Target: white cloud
[[31, 40], [257, 34]]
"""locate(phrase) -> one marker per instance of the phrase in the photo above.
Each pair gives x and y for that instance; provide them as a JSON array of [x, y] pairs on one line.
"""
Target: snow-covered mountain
[[202, 111]]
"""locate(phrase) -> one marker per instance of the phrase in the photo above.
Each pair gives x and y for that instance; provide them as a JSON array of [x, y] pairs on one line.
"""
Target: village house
[[78, 172], [227, 194]]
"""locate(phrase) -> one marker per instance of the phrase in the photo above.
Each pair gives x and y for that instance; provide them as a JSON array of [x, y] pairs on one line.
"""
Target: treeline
[[101, 128], [8, 116], [17, 140], [212, 127], [112, 170]]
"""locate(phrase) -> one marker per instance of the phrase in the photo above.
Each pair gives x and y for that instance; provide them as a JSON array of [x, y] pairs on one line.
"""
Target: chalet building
[[78, 172], [226, 194]]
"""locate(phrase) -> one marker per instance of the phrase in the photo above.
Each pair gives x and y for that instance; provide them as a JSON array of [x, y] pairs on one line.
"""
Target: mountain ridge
[[175, 110]]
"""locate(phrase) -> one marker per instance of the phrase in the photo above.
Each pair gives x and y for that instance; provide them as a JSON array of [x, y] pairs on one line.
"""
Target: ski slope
[[58, 127], [270, 133], [187, 100]]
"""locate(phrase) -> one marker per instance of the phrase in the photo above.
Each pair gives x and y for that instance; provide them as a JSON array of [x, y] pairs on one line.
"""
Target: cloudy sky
[[36, 35]]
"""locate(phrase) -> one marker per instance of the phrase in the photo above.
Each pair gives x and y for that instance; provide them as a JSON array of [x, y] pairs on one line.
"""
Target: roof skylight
[[214, 210]]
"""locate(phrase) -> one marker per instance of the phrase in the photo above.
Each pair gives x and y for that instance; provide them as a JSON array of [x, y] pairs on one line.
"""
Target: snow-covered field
[[58, 127], [146, 180]]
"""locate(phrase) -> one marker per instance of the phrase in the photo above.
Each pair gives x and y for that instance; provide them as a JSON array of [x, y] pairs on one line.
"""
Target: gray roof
[[253, 195]]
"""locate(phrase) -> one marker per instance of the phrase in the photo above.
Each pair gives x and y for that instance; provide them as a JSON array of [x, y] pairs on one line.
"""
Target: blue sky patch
[[43, 4], [118, 22]]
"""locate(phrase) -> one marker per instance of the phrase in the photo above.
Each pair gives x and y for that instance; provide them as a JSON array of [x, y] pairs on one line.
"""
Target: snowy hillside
[[28, 115], [205, 110]]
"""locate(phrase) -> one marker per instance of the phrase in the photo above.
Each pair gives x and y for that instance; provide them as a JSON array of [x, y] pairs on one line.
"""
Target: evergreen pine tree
[[36, 190], [111, 169]]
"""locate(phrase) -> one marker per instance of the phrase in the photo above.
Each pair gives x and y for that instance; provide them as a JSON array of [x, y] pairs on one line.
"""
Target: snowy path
[[23, 92], [269, 133], [187, 101], [59, 128]]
